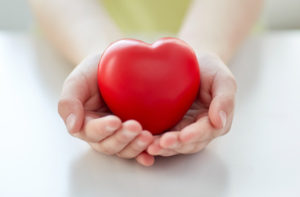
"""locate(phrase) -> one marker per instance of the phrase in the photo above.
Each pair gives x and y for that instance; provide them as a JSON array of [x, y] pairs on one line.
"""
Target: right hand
[[87, 117]]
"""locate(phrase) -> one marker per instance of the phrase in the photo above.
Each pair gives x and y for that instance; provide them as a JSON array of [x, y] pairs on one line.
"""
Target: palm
[[203, 121], [81, 98], [94, 104], [196, 111]]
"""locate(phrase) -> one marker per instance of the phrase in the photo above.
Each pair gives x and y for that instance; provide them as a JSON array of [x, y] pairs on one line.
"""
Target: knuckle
[[121, 140], [132, 151], [137, 148], [94, 135]]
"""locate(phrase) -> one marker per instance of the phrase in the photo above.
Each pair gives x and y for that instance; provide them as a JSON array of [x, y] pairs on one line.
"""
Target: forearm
[[77, 28], [219, 26]]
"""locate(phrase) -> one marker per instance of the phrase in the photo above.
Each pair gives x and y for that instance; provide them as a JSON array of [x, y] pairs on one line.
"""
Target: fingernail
[[140, 143], [110, 129], [129, 133], [223, 118], [70, 121]]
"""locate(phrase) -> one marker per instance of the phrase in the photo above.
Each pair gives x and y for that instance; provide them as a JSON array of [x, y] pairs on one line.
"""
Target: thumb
[[72, 112], [222, 104], [75, 92]]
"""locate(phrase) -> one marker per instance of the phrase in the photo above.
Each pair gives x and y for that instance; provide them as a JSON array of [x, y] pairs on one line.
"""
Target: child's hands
[[88, 118], [209, 117]]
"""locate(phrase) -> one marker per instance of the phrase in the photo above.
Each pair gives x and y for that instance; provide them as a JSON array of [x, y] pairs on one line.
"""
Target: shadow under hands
[[202, 174]]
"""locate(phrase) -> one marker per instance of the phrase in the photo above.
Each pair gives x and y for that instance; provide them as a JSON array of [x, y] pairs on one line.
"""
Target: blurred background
[[278, 14]]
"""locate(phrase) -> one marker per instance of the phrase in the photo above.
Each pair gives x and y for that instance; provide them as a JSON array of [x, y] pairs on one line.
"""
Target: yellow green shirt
[[147, 16], [152, 18]]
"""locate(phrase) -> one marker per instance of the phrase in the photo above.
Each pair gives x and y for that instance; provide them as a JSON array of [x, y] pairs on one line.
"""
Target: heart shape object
[[153, 84]]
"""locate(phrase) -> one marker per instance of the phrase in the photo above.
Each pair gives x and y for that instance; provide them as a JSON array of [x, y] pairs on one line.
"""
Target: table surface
[[259, 157]]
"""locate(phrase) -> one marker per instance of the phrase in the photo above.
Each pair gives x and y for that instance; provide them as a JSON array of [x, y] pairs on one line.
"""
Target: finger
[[222, 105], [72, 112], [167, 153], [145, 159], [193, 148], [89, 115], [137, 146], [201, 130], [187, 148], [76, 91], [100, 128], [170, 140], [116, 142], [156, 149]]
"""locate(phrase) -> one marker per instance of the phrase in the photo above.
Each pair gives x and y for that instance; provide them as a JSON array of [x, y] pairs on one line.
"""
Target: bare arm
[[77, 28], [219, 26]]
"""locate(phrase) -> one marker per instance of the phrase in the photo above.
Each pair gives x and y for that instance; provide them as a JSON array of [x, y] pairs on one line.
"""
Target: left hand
[[87, 117], [210, 115]]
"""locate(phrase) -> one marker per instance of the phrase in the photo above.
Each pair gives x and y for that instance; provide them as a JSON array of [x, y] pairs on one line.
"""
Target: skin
[[88, 118], [210, 115], [213, 28]]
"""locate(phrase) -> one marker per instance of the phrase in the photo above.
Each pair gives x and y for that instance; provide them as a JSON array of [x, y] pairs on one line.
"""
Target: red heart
[[153, 84]]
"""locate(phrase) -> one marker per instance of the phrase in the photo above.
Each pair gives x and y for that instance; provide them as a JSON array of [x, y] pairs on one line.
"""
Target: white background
[[259, 157], [278, 14]]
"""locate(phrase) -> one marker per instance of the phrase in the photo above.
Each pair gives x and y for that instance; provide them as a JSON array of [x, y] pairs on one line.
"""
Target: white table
[[259, 157]]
